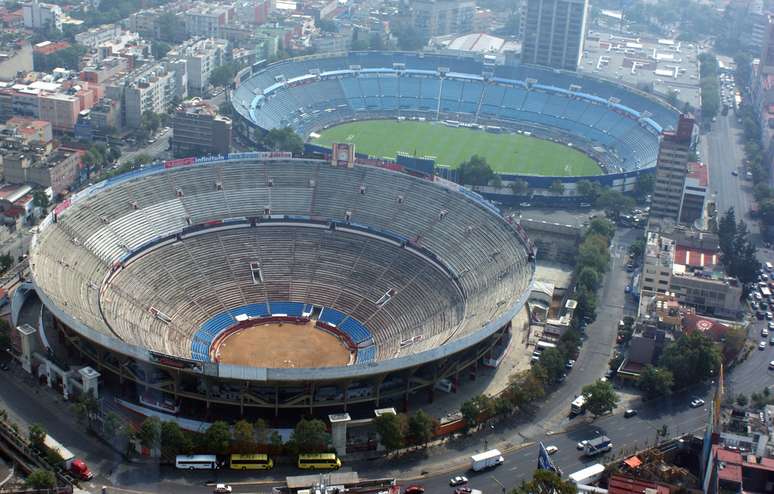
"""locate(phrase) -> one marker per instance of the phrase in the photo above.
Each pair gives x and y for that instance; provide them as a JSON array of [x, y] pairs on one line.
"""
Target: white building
[[151, 88], [95, 36], [38, 15], [201, 56]]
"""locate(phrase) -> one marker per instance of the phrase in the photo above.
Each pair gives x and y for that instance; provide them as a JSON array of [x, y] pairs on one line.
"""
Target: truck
[[74, 466], [588, 475], [601, 444], [487, 459], [578, 405]]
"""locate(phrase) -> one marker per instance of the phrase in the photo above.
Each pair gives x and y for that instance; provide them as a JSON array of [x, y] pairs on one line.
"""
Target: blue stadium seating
[[356, 331], [292, 309], [365, 355], [331, 316], [379, 88]]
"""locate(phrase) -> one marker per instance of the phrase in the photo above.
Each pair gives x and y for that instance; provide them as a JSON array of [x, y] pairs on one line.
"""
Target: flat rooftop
[[669, 65]]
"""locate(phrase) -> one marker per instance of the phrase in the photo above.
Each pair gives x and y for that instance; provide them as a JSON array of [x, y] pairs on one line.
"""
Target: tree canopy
[[41, 479], [601, 398], [546, 482], [283, 139], [217, 438], [656, 381], [691, 359], [391, 429], [420, 427], [310, 435], [475, 171]]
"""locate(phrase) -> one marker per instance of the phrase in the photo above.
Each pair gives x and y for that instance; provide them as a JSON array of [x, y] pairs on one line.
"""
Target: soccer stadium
[[602, 127], [255, 280]]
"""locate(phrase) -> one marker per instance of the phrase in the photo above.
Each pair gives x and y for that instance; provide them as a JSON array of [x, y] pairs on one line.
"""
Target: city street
[[722, 152]]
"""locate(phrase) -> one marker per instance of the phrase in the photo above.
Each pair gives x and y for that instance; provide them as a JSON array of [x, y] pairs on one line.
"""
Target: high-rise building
[[553, 32], [671, 170], [439, 17]]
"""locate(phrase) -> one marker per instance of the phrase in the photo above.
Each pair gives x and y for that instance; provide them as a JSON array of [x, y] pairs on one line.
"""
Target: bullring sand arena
[[282, 345]]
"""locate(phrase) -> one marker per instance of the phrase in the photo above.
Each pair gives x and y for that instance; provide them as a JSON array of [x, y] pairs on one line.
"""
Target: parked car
[[414, 489], [771, 365], [582, 444], [222, 489], [551, 449], [762, 345], [630, 413], [570, 363]]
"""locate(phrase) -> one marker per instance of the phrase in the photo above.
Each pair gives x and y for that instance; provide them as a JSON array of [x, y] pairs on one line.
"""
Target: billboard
[[343, 155]]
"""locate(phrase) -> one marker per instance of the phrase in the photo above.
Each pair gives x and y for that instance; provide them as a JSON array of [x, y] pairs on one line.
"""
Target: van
[[769, 267]]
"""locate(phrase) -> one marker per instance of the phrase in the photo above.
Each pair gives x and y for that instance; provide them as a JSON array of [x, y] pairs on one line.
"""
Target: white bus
[[588, 475], [196, 462]]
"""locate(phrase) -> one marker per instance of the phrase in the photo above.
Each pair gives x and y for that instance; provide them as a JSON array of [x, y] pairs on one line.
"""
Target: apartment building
[[694, 193], [201, 57], [150, 88], [95, 36], [205, 20]]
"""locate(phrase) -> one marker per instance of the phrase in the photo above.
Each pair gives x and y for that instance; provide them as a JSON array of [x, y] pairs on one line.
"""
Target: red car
[[414, 489]]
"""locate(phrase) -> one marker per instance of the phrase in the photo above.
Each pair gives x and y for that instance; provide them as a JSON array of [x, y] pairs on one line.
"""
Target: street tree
[[41, 478], [593, 253], [475, 408], [40, 200], [217, 438], [553, 361], [587, 188], [261, 430], [519, 187], [557, 187], [601, 226], [174, 441], [656, 382], [310, 435], [475, 171], [546, 482], [601, 398], [244, 437], [736, 336], [691, 359], [391, 429], [420, 427], [588, 278], [37, 434], [149, 433], [281, 139]]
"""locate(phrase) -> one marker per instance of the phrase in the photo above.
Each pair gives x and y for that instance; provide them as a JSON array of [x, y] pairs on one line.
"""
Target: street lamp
[[499, 483]]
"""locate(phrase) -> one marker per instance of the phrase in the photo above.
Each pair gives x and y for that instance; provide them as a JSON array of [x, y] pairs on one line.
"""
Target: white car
[[458, 480], [222, 489], [582, 444], [764, 332], [771, 365], [762, 345], [697, 402], [551, 449]]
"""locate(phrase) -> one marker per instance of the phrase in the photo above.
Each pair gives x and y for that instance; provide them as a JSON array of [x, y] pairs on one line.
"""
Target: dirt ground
[[285, 345]]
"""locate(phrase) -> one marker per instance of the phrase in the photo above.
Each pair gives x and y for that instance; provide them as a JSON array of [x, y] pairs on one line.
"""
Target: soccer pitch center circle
[[175, 273], [528, 121]]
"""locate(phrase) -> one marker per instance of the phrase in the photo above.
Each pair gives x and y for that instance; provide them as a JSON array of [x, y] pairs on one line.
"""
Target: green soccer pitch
[[505, 153]]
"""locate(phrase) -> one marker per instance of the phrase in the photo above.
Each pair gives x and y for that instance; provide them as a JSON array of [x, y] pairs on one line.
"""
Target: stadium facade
[[141, 276], [617, 126]]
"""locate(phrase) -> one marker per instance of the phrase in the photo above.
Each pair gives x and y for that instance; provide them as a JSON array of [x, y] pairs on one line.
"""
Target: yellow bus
[[319, 461], [251, 462]]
